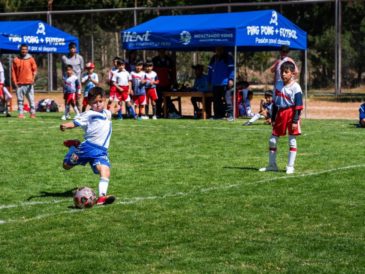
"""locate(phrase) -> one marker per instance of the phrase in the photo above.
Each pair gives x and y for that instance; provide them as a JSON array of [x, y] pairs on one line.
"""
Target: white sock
[[292, 150], [103, 186], [255, 118], [76, 110], [272, 150]]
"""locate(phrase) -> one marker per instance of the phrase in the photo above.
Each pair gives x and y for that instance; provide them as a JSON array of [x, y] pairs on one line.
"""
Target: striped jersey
[[137, 87], [71, 84], [87, 83], [289, 96], [151, 76], [97, 126]]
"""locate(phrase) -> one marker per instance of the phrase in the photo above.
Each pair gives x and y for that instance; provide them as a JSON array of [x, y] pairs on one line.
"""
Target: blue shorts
[[87, 153]]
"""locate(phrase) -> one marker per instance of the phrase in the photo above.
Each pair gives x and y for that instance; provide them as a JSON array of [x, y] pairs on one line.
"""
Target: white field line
[[135, 200]]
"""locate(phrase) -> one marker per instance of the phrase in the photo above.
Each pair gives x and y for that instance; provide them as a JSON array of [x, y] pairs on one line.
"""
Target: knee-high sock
[[103, 186], [272, 150], [67, 110], [292, 150], [255, 118]]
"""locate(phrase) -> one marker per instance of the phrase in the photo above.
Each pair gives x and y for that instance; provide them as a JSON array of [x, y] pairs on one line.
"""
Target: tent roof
[[39, 36], [253, 30]]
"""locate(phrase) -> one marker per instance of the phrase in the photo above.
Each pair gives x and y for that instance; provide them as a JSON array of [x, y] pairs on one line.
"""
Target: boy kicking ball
[[288, 103], [97, 125]]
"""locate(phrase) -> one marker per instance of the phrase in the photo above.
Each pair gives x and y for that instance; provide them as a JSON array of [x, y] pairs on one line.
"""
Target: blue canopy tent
[[246, 31], [39, 36]]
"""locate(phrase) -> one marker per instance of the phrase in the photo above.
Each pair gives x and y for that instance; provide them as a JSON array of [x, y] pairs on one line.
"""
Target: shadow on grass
[[45, 194], [247, 168], [241, 167]]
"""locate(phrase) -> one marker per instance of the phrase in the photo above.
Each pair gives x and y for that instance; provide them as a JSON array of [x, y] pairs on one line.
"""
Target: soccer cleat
[[32, 115], [21, 116], [68, 116], [7, 115], [269, 168], [154, 117], [63, 118], [289, 170], [230, 119], [248, 123], [144, 117], [71, 143], [105, 200]]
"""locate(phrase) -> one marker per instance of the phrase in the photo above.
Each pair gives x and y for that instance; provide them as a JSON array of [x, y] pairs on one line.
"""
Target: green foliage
[[189, 200]]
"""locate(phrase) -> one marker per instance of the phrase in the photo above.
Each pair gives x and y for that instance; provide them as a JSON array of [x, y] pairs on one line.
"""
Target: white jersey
[[97, 126], [289, 96], [88, 83], [121, 78]]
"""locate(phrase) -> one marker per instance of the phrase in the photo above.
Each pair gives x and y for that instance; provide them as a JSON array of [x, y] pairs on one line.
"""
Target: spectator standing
[[5, 96], [139, 89], [275, 68], [71, 86], [23, 73], [89, 79], [112, 88], [151, 92], [122, 81], [220, 72], [77, 62], [166, 70]]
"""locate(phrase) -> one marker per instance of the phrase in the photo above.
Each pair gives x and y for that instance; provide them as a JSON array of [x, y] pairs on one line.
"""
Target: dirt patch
[[314, 108]]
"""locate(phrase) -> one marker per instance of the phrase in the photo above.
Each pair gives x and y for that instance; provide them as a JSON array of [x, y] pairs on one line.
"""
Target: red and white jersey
[[137, 86], [289, 96], [121, 78], [151, 77]]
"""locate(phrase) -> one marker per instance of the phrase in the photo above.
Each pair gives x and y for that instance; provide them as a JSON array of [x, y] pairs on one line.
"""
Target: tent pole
[[234, 83], [50, 56], [305, 82]]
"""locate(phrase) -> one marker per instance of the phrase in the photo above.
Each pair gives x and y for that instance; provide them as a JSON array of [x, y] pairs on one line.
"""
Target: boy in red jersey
[[288, 103]]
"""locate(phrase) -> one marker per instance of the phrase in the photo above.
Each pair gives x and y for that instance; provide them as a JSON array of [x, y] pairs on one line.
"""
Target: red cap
[[89, 65]]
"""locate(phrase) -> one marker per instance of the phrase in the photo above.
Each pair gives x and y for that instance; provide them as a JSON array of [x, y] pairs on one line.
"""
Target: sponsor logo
[[135, 37], [274, 18], [41, 29], [185, 37]]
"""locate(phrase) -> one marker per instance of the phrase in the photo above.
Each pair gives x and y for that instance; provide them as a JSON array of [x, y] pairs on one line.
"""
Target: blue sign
[[39, 36], [255, 30]]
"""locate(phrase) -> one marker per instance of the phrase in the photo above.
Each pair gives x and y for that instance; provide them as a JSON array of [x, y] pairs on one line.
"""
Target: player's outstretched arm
[[68, 125]]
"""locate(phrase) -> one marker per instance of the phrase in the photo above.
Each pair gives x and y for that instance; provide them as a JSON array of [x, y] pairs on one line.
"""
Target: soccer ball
[[84, 197]]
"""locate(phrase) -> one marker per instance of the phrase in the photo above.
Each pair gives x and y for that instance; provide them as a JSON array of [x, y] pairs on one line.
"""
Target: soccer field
[[190, 199]]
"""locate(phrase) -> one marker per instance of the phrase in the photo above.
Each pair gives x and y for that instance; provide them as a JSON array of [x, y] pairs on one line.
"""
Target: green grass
[[189, 200]]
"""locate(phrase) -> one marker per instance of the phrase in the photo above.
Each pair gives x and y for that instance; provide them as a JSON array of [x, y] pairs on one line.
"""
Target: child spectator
[[5, 95], [112, 89], [71, 86], [122, 81], [288, 103], [362, 115], [89, 79], [245, 106], [139, 90], [97, 125], [265, 110], [151, 92]]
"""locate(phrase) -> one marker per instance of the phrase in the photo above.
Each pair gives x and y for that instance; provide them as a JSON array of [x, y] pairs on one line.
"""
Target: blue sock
[[131, 111], [120, 112]]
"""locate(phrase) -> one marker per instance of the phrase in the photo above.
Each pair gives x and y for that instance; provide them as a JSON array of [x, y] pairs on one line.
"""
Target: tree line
[[99, 33]]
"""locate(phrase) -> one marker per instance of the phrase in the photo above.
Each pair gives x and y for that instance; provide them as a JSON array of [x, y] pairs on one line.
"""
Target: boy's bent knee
[[66, 166]]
